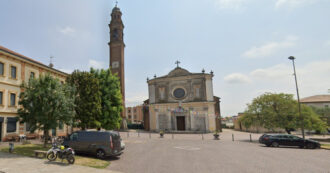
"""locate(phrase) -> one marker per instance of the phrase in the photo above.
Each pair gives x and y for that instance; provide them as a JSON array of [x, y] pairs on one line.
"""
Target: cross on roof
[[116, 3], [177, 63]]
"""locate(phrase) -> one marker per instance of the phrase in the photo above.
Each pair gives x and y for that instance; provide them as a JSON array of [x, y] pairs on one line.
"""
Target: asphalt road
[[189, 153]]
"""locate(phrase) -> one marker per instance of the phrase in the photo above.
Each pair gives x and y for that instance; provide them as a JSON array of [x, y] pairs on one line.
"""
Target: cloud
[[311, 77], [96, 64], [134, 100], [292, 3], [231, 4], [275, 72], [67, 30], [270, 48], [69, 71], [327, 43], [236, 78]]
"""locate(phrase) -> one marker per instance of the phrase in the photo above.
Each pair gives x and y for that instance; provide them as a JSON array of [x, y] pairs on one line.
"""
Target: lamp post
[[299, 107]]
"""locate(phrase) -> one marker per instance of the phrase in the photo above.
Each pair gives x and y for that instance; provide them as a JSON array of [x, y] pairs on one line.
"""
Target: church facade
[[182, 101]]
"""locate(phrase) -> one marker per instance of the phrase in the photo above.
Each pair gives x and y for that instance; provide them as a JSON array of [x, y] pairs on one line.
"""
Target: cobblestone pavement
[[11, 163], [190, 153]]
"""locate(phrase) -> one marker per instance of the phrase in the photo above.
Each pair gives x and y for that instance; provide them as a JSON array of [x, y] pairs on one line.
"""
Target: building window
[[12, 99], [2, 69], [129, 111], [179, 93], [31, 75], [11, 125], [1, 96], [13, 72]]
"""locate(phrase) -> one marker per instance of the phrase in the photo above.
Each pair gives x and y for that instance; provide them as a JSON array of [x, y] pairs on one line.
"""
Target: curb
[[325, 148]]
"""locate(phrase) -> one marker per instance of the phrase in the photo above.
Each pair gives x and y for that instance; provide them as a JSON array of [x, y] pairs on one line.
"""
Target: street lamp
[[299, 107]]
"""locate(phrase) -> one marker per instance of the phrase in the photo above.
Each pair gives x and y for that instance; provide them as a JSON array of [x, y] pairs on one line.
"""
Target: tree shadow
[[109, 158], [288, 147], [56, 163], [247, 140], [112, 158], [10, 155]]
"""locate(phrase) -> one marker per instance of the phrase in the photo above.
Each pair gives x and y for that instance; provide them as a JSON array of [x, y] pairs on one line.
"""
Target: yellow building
[[14, 70]]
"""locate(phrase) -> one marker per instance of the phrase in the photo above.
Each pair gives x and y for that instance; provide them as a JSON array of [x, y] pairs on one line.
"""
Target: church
[[179, 101], [182, 101]]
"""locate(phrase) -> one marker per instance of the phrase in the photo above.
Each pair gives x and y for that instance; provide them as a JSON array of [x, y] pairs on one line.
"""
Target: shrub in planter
[[161, 133], [216, 135]]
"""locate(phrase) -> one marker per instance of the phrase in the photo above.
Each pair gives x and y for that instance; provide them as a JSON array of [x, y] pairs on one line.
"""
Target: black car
[[100, 143], [287, 140]]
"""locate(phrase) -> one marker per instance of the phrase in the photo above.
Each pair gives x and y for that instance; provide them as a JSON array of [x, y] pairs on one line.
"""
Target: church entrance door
[[180, 121]]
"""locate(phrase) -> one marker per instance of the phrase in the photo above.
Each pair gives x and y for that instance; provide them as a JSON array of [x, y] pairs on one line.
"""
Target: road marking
[[188, 148]]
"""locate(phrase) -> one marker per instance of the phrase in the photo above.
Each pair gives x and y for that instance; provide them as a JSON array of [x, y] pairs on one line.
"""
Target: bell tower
[[117, 47]]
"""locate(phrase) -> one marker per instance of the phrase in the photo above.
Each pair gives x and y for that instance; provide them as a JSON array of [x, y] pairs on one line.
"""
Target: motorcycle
[[61, 152]]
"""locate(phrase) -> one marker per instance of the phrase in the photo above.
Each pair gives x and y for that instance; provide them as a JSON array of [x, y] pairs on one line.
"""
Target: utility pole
[[299, 106]]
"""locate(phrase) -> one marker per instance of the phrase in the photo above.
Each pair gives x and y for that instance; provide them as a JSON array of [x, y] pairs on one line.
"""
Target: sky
[[245, 42]]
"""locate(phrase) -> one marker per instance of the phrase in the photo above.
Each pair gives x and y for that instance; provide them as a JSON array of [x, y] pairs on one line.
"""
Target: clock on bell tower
[[117, 47]]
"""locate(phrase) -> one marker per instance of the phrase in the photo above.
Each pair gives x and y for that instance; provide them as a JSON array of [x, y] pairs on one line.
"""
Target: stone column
[[188, 124], [169, 122], [157, 120], [4, 132], [175, 124], [192, 125], [206, 115], [17, 127]]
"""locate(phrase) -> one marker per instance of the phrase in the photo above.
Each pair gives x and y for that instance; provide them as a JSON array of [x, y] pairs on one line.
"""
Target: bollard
[[250, 138], [202, 136], [172, 136], [138, 133], [232, 136], [11, 147], [149, 135]]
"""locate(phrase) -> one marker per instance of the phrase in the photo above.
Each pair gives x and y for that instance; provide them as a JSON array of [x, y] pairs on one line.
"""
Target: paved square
[[189, 153]]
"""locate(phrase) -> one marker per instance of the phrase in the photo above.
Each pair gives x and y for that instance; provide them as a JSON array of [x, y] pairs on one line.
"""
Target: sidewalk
[[11, 163]]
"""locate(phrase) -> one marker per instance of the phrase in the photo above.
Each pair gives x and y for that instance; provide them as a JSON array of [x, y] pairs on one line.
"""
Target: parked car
[[287, 140], [100, 143]]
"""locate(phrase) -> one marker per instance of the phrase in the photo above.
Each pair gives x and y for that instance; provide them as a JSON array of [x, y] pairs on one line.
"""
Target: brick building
[[134, 114]]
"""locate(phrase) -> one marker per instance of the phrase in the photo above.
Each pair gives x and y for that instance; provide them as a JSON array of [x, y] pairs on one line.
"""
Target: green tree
[[280, 111], [324, 114], [87, 99], [111, 99], [45, 103]]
